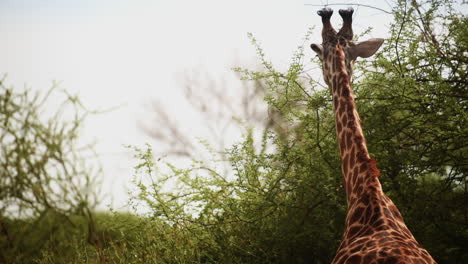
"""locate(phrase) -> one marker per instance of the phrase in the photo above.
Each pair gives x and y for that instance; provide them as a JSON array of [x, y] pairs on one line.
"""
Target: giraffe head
[[335, 45]]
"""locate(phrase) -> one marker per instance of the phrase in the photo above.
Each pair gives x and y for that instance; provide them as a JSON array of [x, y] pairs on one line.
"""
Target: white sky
[[125, 53]]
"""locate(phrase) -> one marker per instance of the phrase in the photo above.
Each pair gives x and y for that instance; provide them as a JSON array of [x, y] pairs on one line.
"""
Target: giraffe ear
[[365, 49], [317, 48]]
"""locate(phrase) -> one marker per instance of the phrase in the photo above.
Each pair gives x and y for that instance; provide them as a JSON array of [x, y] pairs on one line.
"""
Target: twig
[[400, 68]]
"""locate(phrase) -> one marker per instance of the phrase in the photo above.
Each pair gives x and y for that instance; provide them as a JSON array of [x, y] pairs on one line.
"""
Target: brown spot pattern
[[375, 231]]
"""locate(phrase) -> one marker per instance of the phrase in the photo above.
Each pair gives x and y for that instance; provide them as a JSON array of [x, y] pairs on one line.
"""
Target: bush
[[45, 177]]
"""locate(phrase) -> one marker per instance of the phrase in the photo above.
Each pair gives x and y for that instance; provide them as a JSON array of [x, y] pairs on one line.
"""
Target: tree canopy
[[283, 201]]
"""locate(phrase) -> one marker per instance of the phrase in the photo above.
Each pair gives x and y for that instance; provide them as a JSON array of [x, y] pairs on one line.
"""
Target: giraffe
[[375, 231]]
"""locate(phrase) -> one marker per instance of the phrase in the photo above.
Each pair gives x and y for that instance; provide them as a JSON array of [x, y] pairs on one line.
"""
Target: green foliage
[[41, 167], [265, 212], [417, 123], [42, 170], [282, 199]]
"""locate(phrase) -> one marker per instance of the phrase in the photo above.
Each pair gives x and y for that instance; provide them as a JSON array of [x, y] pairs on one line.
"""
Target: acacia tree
[[45, 174], [418, 90], [222, 108]]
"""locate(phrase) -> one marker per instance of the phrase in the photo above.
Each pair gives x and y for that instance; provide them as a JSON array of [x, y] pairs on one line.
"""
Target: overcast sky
[[127, 52]]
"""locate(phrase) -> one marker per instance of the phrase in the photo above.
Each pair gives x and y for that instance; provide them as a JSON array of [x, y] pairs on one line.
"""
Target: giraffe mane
[[345, 89]]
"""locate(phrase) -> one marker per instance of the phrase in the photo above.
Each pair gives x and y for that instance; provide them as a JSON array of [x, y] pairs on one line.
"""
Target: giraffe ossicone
[[375, 231]]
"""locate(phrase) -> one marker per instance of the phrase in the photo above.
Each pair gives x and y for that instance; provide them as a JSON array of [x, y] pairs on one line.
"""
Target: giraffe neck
[[372, 218], [359, 170]]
